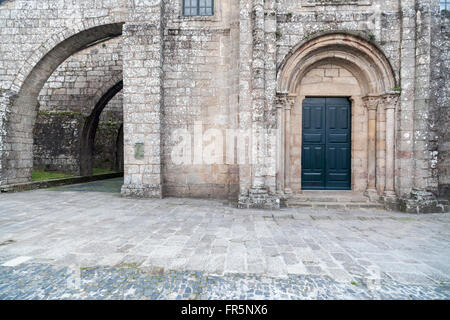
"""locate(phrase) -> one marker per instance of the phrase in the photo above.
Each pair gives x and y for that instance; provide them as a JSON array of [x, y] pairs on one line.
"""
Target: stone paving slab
[[407, 255], [40, 281]]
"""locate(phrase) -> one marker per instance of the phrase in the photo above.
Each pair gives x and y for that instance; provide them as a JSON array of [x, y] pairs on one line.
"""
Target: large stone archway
[[340, 65], [17, 158]]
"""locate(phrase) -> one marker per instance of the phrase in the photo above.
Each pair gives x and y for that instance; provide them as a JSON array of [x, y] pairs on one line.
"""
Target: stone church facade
[[250, 100]]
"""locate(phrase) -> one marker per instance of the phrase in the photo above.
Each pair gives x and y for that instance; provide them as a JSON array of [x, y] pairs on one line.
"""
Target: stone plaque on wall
[[311, 3], [139, 151]]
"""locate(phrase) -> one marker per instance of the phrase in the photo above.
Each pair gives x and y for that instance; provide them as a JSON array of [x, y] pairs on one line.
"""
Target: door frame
[[288, 180]]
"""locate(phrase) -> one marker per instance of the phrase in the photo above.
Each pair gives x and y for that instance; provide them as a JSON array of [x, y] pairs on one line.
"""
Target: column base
[[372, 194], [444, 191], [420, 201], [284, 196], [141, 191], [390, 201], [258, 199]]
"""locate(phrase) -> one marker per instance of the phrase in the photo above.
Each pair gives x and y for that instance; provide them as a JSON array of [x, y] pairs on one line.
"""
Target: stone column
[[259, 195], [142, 73], [381, 149], [281, 102], [371, 103], [287, 173], [245, 84], [405, 132], [389, 102], [285, 103], [270, 86], [258, 89], [418, 25]]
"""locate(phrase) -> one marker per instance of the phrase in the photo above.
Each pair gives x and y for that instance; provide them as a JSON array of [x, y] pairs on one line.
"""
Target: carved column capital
[[285, 100], [290, 101], [281, 99], [371, 101], [390, 100]]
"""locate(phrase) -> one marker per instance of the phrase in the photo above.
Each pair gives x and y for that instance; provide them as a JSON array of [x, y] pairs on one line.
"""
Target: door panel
[[326, 151], [338, 167], [313, 161], [314, 122], [313, 138], [313, 150]]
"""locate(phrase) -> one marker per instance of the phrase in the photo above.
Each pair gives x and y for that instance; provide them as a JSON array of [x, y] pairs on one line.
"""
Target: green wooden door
[[326, 144]]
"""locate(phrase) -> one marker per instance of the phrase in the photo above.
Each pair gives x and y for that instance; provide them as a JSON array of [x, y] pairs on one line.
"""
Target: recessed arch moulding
[[351, 67], [366, 62]]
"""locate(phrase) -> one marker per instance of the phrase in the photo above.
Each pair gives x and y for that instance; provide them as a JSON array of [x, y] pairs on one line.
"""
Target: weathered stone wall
[[105, 145], [29, 29], [57, 137], [5, 102], [106, 153], [196, 90], [80, 81], [442, 102], [57, 141], [379, 21], [143, 105], [424, 146], [113, 111], [199, 92], [422, 99]]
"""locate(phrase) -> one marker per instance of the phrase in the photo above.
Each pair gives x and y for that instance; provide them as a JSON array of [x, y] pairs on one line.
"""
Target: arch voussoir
[[355, 50]]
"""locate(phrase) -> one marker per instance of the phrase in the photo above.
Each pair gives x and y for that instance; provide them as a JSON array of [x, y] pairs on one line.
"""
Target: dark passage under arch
[[90, 130]]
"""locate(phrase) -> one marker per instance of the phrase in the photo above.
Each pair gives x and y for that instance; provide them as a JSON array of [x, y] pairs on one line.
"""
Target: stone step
[[445, 205], [330, 199], [329, 196], [333, 205]]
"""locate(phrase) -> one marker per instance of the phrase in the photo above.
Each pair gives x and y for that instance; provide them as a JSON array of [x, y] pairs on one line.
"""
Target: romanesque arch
[[359, 54], [369, 82], [17, 160]]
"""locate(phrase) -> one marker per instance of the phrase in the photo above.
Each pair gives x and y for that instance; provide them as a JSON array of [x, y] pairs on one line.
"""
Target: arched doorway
[[337, 67], [17, 162]]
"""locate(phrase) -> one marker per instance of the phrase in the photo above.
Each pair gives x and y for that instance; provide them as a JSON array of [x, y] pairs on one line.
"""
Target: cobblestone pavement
[[72, 243]]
